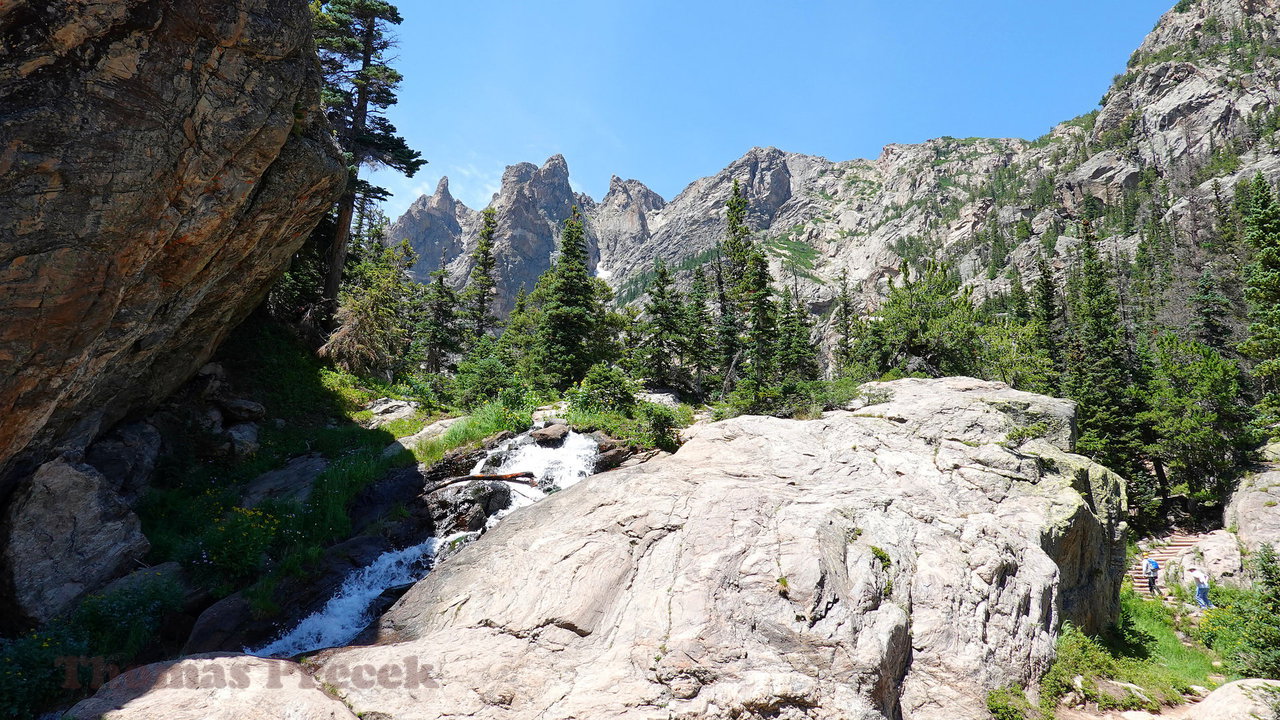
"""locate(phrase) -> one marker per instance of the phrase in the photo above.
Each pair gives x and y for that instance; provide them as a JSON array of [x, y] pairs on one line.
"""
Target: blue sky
[[666, 92]]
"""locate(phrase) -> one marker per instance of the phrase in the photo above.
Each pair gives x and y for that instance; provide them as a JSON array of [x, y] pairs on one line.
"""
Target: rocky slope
[[1205, 78], [893, 560], [160, 162]]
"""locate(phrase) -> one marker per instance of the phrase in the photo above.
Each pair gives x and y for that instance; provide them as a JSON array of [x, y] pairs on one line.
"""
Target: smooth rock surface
[[1253, 512], [213, 687], [892, 562]]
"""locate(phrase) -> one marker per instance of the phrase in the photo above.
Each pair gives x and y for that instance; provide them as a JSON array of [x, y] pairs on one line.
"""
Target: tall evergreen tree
[[699, 344], [845, 317], [1210, 309], [1262, 289], [435, 335], [477, 298], [567, 342], [797, 356], [353, 37], [1197, 413], [728, 333], [662, 329], [1044, 311], [737, 240], [1098, 374], [762, 320], [1018, 305]]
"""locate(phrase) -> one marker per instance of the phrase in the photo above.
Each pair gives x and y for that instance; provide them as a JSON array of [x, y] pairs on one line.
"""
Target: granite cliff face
[[531, 208], [160, 162], [1206, 79]]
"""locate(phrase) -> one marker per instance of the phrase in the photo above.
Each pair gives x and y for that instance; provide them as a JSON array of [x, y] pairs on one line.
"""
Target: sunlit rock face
[[896, 559]]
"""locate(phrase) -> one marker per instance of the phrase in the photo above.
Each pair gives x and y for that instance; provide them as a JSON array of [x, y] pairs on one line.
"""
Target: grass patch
[[513, 414], [1142, 649], [647, 426]]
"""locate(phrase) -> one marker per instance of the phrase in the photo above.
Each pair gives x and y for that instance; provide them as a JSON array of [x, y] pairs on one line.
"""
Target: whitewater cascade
[[349, 611]]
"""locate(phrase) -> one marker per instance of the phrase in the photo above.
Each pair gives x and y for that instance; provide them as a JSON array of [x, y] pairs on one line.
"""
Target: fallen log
[[523, 478]]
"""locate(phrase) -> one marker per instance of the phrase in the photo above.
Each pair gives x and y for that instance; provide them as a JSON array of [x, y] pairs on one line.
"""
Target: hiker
[[1150, 570], [1202, 587]]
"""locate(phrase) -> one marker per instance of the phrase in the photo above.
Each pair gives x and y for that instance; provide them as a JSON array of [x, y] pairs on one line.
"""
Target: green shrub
[[1245, 625], [605, 388], [121, 624], [234, 547], [1008, 703]]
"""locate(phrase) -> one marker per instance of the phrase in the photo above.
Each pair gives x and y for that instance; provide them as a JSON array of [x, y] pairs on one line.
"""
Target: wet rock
[[466, 507], [551, 436], [291, 483], [65, 533], [610, 459]]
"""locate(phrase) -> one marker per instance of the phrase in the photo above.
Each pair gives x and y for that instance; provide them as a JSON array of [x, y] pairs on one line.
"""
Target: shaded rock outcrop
[[66, 533], [160, 162], [893, 560]]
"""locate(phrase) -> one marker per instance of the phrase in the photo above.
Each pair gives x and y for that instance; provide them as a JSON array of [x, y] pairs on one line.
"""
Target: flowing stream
[[350, 610]]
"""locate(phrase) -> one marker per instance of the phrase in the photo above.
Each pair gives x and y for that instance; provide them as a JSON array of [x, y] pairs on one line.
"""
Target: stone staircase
[[1169, 548]]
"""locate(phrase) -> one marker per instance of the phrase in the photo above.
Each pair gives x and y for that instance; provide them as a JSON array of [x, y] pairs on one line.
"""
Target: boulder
[[215, 687], [1217, 552], [1240, 700], [465, 508], [127, 458], [434, 430], [551, 436], [291, 483], [666, 399], [244, 438], [242, 410], [1253, 512], [893, 562], [388, 410], [64, 534]]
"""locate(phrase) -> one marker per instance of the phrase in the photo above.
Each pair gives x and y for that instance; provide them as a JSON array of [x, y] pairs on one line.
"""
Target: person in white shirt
[[1202, 587]]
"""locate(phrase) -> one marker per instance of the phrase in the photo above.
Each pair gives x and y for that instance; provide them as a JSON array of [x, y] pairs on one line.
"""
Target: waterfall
[[350, 610]]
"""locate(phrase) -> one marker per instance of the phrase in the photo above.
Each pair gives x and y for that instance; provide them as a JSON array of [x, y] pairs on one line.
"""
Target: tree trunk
[[338, 251], [347, 205]]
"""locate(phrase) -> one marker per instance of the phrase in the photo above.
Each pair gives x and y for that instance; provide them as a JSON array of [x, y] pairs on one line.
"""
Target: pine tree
[[477, 317], [1044, 312], [1262, 290], [1210, 308], [353, 38], [375, 315], [737, 241], [762, 320], [662, 329], [1018, 305], [843, 322], [435, 335], [797, 355], [1098, 374], [1197, 413], [567, 342], [728, 334], [699, 347]]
